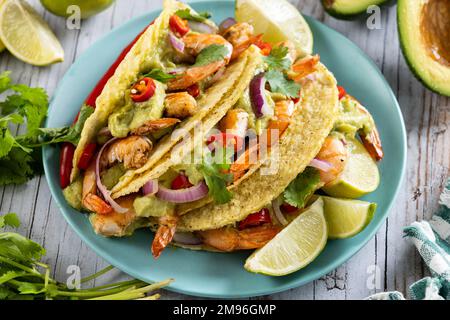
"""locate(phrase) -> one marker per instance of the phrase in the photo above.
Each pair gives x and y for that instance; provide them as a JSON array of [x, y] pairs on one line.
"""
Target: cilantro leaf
[[190, 15], [18, 167], [210, 54], [215, 177], [159, 75], [278, 58], [281, 84], [65, 134], [302, 187], [5, 81], [9, 219]]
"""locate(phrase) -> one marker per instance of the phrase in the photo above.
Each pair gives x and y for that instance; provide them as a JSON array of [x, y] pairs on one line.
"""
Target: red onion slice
[[201, 27], [186, 238], [176, 43], [193, 193], [321, 165], [258, 96], [278, 214], [150, 188], [105, 192], [227, 23]]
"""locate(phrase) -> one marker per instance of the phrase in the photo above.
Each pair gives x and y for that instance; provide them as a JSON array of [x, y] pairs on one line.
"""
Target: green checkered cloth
[[432, 239]]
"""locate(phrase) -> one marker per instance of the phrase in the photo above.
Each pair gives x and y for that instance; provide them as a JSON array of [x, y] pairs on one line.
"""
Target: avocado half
[[424, 29], [348, 9]]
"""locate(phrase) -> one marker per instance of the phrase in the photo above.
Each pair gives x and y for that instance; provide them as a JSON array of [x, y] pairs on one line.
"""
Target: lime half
[[278, 20], [360, 176], [294, 247], [347, 217], [26, 35]]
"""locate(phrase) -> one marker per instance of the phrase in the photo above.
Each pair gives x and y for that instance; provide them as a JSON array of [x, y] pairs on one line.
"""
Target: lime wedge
[[347, 217], [360, 176], [278, 20], [26, 35], [294, 247]]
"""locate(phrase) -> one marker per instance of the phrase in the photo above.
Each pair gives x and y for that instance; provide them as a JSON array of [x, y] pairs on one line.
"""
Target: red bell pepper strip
[[67, 149], [181, 182], [342, 92], [178, 25], [256, 219], [194, 90], [143, 90], [287, 208], [86, 156], [65, 161]]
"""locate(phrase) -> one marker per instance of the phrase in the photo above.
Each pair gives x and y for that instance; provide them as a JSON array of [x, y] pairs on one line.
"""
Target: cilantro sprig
[[24, 276], [20, 157], [187, 14], [302, 187], [214, 169], [278, 63]]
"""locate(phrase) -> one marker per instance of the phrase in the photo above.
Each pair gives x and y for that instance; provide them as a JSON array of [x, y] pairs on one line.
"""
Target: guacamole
[[73, 193], [351, 119], [134, 114], [151, 206]]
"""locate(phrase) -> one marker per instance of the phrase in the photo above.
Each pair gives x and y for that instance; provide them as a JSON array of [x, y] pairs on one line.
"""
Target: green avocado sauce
[[73, 193], [351, 119]]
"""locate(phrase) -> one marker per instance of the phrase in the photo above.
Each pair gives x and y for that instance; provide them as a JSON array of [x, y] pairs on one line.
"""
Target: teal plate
[[218, 274]]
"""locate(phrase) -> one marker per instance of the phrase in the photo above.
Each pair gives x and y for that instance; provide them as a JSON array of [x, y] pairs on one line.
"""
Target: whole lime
[[88, 8]]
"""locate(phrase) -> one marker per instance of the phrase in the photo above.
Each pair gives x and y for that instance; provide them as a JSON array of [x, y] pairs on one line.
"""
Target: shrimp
[[90, 199], [194, 44], [153, 126], [180, 105], [371, 140], [304, 67], [283, 111], [132, 151], [115, 224], [335, 153], [235, 122], [164, 234], [231, 239], [239, 33]]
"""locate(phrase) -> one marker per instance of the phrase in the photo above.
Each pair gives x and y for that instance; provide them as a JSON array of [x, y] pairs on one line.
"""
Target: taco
[[172, 77]]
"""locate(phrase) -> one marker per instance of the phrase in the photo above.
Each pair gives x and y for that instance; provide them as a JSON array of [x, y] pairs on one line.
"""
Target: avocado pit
[[435, 30]]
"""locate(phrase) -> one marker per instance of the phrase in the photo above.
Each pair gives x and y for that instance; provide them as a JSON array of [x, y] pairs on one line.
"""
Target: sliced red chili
[[178, 25], [86, 156], [287, 208], [194, 90], [342, 92], [181, 182], [225, 139], [265, 47], [65, 163], [256, 219], [143, 90]]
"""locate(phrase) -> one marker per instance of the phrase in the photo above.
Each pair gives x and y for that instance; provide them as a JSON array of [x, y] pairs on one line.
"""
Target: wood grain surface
[[395, 261]]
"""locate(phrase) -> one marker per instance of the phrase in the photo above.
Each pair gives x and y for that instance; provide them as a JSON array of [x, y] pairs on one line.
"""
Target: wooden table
[[427, 117]]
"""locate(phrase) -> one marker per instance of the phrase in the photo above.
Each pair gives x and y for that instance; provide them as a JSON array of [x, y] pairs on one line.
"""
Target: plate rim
[[278, 288]]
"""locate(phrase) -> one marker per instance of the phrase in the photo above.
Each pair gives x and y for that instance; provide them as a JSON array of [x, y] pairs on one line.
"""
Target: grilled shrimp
[[304, 67], [235, 122], [335, 153], [153, 126], [180, 105], [371, 141], [231, 239], [283, 111], [115, 224], [194, 44], [239, 33], [132, 151], [164, 234], [90, 199]]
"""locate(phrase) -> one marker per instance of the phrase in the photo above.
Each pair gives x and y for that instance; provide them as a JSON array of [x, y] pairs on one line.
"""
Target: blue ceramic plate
[[217, 274]]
